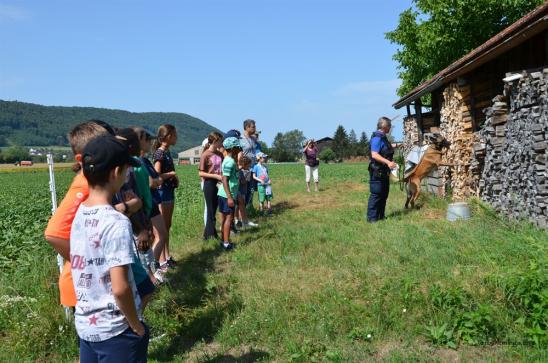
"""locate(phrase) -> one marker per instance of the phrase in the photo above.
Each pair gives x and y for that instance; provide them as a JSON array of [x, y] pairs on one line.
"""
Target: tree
[[340, 143], [14, 154], [363, 145], [327, 155], [287, 146], [436, 33], [352, 143]]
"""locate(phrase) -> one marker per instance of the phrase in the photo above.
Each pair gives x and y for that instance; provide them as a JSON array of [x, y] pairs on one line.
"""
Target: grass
[[317, 283]]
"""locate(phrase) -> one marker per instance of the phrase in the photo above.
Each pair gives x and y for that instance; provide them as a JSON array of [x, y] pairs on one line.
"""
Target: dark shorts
[[126, 347], [167, 195], [155, 211], [223, 206], [146, 287]]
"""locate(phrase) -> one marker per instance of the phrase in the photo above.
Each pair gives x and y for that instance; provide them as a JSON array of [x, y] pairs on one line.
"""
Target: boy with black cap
[[108, 308]]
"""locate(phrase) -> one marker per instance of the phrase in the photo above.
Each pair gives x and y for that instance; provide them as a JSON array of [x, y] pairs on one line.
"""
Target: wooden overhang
[[525, 28]]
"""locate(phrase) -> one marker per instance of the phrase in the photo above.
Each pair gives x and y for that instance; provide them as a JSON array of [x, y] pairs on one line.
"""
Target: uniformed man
[[380, 165]]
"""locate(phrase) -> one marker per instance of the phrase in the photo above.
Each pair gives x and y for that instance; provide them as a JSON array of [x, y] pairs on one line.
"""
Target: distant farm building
[[190, 156], [324, 143]]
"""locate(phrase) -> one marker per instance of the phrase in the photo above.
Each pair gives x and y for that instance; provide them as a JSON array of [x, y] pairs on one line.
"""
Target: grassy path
[[317, 283]]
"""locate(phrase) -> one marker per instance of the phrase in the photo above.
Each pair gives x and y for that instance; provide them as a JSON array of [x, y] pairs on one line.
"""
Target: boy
[[107, 315], [260, 174], [244, 178], [57, 233], [229, 190]]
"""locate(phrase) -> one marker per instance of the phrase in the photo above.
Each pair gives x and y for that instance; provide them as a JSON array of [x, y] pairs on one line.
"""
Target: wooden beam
[[418, 118], [408, 110]]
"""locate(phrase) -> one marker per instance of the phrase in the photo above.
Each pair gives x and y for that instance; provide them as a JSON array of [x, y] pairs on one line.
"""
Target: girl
[[210, 172], [163, 164], [158, 225]]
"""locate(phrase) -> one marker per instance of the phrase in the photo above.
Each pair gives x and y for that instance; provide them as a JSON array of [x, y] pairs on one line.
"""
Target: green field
[[313, 283]]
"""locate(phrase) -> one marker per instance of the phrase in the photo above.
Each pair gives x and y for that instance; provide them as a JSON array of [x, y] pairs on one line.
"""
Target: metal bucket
[[456, 211]]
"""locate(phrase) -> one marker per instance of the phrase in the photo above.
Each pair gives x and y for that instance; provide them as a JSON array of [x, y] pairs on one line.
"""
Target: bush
[[327, 155]]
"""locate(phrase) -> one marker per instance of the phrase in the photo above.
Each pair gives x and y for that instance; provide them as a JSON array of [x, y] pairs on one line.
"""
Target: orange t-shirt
[[59, 226]]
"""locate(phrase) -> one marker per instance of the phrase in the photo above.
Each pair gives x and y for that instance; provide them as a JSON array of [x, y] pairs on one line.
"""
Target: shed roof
[[525, 28]]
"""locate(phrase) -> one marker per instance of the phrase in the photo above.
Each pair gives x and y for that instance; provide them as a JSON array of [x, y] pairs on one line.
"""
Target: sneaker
[[250, 224], [270, 213], [171, 262], [228, 247], [160, 276], [239, 224]]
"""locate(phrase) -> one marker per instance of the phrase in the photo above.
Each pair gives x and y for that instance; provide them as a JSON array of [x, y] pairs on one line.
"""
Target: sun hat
[[231, 143], [261, 155]]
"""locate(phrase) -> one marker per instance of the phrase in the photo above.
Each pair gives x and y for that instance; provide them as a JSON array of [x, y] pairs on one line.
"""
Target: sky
[[288, 64]]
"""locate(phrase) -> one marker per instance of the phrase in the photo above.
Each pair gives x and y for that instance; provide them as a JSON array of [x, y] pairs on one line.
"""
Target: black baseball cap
[[232, 133], [104, 153]]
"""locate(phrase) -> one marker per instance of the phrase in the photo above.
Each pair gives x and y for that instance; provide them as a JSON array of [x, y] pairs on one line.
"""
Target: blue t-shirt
[[377, 142], [261, 172]]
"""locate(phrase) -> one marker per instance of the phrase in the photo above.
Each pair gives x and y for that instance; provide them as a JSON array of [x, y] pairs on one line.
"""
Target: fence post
[[53, 192]]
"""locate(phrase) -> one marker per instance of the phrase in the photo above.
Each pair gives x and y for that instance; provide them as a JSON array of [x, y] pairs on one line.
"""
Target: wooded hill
[[28, 124]]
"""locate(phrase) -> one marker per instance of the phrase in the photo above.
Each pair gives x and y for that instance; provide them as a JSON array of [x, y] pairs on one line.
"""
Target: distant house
[[190, 156], [324, 143]]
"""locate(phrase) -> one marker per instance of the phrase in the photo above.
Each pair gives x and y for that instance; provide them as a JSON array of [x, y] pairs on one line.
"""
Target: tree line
[[288, 146]]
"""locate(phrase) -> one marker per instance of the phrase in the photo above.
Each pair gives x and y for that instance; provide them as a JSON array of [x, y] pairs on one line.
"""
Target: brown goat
[[429, 161]]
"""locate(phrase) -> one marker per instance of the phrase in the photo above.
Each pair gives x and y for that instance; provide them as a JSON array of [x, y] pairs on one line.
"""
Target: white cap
[[205, 142]]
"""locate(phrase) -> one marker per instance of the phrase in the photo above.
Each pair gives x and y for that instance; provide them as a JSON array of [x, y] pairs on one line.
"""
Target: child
[[129, 202], [107, 315], [244, 178], [163, 164], [229, 189], [158, 225], [210, 172], [264, 187], [57, 232]]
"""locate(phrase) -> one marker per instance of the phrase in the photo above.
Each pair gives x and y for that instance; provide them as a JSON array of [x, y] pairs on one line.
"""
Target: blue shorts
[[223, 206], [126, 347], [167, 195], [146, 287]]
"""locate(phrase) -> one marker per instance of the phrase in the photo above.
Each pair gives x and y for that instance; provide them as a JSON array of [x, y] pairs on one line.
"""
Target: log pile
[[514, 179], [410, 134], [456, 127]]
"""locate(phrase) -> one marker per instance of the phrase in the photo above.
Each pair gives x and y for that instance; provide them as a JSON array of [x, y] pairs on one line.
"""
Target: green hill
[[28, 124]]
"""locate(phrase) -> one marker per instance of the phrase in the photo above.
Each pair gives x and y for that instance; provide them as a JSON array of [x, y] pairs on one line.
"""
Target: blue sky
[[306, 64]]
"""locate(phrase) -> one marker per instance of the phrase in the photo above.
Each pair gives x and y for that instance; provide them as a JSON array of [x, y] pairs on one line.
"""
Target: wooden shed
[[463, 94]]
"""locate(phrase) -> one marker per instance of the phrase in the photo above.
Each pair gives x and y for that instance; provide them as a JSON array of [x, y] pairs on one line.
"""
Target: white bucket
[[459, 210]]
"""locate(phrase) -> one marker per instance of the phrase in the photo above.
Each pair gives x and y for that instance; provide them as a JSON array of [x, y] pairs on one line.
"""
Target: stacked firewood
[[456, 126], [489, 150], [410, 134], [514, 179]]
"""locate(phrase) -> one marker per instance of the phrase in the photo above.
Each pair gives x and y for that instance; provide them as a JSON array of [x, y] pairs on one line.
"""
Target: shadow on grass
[[253, 356], [277, 209], [198, 308], [401, 212]]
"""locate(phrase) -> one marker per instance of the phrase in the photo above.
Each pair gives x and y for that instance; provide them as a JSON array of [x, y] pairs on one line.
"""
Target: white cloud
[[12, 13]]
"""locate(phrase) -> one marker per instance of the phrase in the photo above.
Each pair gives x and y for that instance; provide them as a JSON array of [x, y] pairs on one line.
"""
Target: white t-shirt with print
[[100, 238]]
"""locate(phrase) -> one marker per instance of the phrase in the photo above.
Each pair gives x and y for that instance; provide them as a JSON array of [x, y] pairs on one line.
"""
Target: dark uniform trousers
[[379, 187]]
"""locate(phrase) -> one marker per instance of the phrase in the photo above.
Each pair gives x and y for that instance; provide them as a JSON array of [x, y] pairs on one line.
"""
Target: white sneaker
[[250, 224], [160, 275]]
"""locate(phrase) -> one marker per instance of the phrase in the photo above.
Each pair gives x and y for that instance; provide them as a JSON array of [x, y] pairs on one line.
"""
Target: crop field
[[314, 283]]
